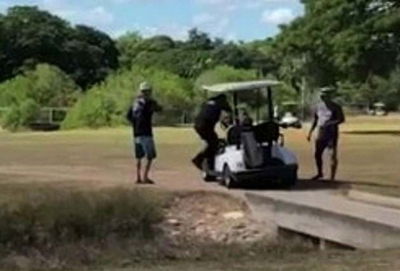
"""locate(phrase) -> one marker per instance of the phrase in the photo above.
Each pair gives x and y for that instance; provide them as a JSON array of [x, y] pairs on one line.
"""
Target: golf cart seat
[[233, 135], [266, 132]]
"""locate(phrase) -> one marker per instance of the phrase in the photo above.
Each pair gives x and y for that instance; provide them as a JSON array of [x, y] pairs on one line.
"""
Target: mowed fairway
[[369, 157]]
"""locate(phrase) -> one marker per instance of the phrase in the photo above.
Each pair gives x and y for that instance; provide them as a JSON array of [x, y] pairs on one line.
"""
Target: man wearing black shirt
[[205, 122], [142, 113]]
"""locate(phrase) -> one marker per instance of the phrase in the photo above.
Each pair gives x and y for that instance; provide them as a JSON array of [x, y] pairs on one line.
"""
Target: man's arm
[[156, 107], [339, 117], [313, 126]]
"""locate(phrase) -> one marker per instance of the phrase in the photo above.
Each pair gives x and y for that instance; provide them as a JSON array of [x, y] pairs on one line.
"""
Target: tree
[[106, 104], [129, 47], [232, 55], [30, 36], [199, 40], [24, 95], [90, 56]]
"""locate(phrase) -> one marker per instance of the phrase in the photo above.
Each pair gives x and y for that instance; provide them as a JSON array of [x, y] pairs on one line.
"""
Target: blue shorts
[[145, 147]]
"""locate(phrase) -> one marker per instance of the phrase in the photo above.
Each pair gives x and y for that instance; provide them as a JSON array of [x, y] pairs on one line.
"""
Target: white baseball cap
[[144, 86]]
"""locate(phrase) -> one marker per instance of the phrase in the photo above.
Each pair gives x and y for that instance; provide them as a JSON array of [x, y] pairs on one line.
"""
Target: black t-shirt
[[143, 110], [210, 114]]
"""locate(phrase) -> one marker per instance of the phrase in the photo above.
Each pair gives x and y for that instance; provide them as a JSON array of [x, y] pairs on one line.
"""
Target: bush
[[106, 104], [20, 115], [46, 86], [53, 218]]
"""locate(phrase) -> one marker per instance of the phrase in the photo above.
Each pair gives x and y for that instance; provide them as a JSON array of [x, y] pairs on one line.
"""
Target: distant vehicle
[[253, 152], [289, 117], [378, 109]]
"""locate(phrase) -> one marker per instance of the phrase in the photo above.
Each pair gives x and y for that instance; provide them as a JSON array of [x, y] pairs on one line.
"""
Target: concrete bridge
[[329, 216]]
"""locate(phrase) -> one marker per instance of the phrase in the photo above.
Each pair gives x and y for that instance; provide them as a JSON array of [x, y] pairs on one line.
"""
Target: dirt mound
[[211, 216]]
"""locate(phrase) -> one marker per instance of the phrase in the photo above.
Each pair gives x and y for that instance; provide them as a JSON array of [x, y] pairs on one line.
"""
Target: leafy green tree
[[24, 95], [199, 40], [107, 103], [30, 36], [129, 47]]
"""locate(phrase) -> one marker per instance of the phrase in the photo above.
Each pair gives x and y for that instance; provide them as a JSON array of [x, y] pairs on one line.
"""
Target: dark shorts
[[145, 147], [327, 139]]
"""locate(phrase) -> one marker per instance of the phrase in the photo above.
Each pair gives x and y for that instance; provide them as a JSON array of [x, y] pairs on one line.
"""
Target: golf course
[[200, 135], [44, 165], [89, 159]]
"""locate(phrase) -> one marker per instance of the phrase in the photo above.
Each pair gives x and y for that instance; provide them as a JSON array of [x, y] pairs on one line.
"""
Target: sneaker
[[317, 177], [148, 181]]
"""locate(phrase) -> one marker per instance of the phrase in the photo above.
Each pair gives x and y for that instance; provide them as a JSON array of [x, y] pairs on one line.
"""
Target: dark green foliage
[[340, 42], [23, 96], [29, 36], [190, 58], [106, 104]]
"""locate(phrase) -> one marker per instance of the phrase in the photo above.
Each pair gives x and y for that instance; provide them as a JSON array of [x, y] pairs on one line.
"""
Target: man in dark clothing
[[142, 113], [328, 116], [205, 122]]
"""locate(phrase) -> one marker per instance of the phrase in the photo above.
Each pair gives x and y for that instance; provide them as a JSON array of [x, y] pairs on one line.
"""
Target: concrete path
[[329, 216]]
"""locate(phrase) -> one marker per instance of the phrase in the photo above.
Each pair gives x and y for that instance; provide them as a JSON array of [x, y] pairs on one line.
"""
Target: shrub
[[20, 115], [53, 217], [107, 103], [46, 86]]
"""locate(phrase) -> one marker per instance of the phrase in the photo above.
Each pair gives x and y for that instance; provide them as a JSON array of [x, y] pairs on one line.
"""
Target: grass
[[103, 158], [65, 178], [50, 217]]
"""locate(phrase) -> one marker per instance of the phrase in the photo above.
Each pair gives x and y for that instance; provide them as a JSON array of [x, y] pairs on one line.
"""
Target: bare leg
[[334, 164], [138, 171], [319, 151], [147, 171]]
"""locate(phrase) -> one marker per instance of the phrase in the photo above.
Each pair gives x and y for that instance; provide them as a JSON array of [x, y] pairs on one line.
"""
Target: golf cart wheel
[[208, 178], [289, 182], [227, 179]]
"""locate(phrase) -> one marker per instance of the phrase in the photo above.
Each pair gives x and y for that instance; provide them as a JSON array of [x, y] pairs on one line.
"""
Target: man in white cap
[[143, 109], [327, 118]]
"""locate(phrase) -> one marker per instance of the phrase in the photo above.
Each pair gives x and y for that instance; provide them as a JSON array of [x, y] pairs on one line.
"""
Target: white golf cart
[[253, 152], [378, 109], [289, 114]]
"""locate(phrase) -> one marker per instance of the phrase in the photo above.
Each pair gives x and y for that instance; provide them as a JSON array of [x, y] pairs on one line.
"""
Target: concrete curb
[[329, 218], [371, 198]]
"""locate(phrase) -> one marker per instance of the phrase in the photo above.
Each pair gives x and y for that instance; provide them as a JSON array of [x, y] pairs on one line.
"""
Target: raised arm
[[156, 107]]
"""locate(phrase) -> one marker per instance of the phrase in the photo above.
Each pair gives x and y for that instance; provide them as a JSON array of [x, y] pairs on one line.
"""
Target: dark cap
[[220, 97]]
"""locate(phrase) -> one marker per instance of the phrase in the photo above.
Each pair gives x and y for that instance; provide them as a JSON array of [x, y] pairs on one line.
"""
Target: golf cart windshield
[[241, 86], [265, 131]]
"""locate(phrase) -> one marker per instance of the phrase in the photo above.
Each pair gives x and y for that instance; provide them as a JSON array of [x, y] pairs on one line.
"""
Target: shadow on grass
[[375, 132], [302, 185], [311, 185]]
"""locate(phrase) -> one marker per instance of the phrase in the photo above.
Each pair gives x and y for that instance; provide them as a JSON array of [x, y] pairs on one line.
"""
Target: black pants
[[211, 139]]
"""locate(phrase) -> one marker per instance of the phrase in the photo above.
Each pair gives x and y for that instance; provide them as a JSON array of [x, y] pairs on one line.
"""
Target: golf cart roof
[[289, 103], [379, 104], [241, 86]]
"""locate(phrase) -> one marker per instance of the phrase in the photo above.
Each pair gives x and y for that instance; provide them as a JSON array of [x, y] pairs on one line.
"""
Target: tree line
[[351, 44]]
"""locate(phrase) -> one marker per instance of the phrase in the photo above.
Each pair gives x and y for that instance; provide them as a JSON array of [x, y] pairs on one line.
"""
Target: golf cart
[[289, 114], [379, 109], [252, 152]]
